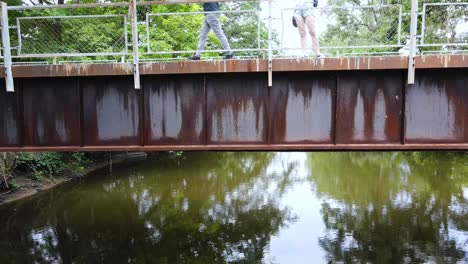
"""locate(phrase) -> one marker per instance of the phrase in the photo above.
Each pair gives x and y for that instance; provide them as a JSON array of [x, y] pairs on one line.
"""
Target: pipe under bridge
[[360, 103]]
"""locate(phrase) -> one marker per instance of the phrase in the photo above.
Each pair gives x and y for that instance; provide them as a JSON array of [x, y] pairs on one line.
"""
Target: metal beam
[[240, 66], [251, 147], [6, 48], [136, 56], [270, 55], [413, 39]]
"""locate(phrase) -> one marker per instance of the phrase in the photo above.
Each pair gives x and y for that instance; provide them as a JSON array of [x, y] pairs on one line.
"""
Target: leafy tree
[[379, 26], [391, 207], [158, 214], [167, 33]]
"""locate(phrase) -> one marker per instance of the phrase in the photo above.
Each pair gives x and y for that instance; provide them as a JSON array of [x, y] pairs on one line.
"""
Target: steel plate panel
[[111, 108], [237, 108], [302, 107], [51, 112], [8, 117], [369, 107], [437, 107], [174, 110]]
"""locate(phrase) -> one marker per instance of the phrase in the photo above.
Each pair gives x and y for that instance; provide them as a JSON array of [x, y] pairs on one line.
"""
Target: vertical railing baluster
[[6, 48], [413, 39], [136, 62], [270, 56]]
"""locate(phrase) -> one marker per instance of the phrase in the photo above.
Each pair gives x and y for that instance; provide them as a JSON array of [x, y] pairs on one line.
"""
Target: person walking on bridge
[[211, 21], [303, 18]]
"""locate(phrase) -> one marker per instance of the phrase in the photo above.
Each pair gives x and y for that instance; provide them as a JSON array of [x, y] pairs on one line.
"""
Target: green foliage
[[78, 161], [167, 33], [208, 210], [40, 164], [385, 200], [49, 164], [173, 33], [13, 186], [379, 26]]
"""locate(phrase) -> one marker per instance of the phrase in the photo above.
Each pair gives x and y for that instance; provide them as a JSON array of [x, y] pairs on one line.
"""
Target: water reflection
[[211, 209], [392, 208], [252, 208]]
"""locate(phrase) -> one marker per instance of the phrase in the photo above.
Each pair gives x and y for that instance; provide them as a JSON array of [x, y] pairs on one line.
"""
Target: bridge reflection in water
[[252, 208], [353, 103]]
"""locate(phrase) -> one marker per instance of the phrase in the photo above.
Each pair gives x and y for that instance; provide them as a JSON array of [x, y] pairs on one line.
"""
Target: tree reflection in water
[[211, 209], [392, 207]]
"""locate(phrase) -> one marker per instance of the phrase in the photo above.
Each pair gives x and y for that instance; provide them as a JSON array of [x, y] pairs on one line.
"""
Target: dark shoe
[[230, 57], [194, 57]]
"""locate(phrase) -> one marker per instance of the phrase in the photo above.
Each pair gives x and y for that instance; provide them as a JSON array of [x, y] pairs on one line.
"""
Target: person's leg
[[202, 39], [215, 25], [302, 32], [310, 21]]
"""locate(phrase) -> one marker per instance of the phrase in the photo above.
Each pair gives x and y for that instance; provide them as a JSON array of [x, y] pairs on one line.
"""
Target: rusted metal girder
[[302, 110], [246, 147], [239, 66]]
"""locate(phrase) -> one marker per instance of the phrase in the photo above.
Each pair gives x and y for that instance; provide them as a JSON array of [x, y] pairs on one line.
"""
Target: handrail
[[265, 25]]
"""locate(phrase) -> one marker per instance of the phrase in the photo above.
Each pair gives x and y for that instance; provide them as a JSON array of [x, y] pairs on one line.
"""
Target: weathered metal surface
[[369, 108], [51, 112], [174, 110], [252, 147], [216, 66], [8, 118], [437, 107], [236, 109], [241, 66], [441, 61], [69, 70], [111, 111], [336, 110], [302, 108]]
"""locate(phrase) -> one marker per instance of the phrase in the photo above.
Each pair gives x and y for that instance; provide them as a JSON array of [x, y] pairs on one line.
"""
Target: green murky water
[[252, 208]]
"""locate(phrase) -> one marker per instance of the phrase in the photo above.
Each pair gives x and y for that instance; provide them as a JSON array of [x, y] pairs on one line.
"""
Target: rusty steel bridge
[[372, 91], [361, 103]]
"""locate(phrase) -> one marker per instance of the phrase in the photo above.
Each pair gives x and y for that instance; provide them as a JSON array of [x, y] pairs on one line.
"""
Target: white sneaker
[[320, 56]]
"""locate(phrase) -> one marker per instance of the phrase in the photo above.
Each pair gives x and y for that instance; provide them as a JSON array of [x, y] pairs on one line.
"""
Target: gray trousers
[[211, 21]]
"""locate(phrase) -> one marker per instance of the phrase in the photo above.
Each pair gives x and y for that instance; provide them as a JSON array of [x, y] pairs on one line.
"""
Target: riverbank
[[28, 187]]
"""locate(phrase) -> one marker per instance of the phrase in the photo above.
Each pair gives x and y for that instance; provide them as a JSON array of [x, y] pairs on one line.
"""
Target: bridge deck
[[239, 66], [327, 104]]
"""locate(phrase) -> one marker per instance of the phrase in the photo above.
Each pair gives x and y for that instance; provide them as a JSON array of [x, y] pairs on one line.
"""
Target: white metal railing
[[52, 36], [373, 27], [444, 24], [112, 32], [153, 23]]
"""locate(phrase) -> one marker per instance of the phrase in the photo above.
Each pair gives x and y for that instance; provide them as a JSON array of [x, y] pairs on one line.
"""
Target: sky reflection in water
[[252, 208]]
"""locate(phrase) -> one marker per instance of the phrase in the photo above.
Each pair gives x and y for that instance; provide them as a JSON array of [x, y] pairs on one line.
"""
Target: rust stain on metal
[[112, 111], [302, 108], [51, 113], [250, 147], [241, 66], [369, 107], [236, 109], [9, 132], [437, 107], [333, 110], [174, 110], [442, 61]]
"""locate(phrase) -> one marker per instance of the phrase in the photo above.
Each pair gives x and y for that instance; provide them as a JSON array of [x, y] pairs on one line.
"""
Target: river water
[[251, 208]]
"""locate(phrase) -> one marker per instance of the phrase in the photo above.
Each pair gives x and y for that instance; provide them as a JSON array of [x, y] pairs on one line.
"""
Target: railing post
[[136, 62], [270, 61], [6, 48], [413, 39]]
